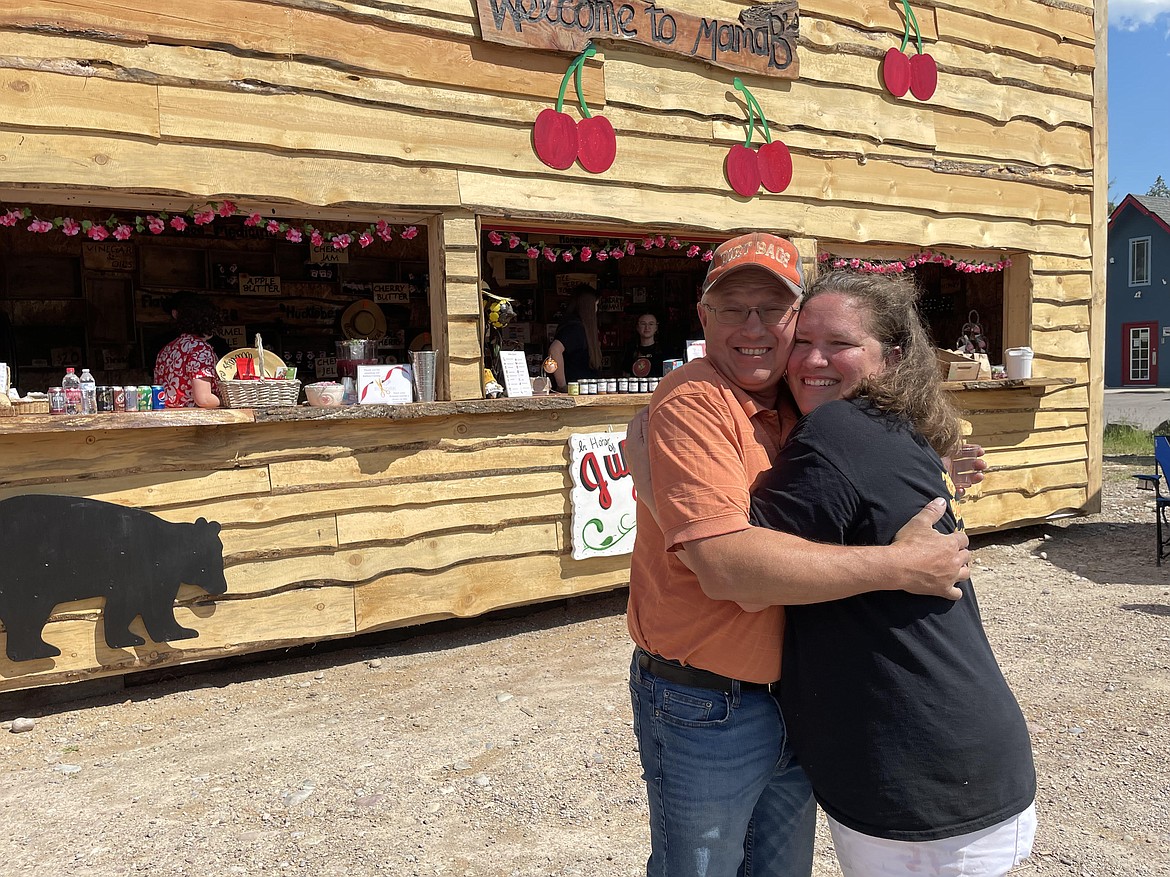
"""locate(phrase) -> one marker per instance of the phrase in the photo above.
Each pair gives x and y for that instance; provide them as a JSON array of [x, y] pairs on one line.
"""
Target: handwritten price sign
[[604, 517]]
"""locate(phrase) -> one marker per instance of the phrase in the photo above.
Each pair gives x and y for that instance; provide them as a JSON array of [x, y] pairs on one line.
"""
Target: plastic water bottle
[[88, 393], [71, 384]]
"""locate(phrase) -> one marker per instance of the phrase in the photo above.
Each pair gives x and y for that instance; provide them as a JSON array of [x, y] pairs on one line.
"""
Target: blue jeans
[[726, 795]]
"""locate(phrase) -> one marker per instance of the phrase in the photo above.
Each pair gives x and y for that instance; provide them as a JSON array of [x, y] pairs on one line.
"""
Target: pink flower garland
[[156, 224], [898, 266], [608, 250]]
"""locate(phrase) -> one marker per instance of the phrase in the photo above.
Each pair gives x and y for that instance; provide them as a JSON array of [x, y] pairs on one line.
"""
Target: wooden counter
[[334, 521], [341, 521]]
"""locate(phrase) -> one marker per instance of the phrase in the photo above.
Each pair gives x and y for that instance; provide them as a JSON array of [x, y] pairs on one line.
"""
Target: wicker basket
[[30, 406], [259, 394]]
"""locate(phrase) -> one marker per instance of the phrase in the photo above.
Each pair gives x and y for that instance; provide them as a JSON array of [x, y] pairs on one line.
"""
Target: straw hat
[[363, 319]]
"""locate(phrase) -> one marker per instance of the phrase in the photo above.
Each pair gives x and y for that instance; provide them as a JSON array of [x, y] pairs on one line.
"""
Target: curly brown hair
[[912, 386], [195, 314]]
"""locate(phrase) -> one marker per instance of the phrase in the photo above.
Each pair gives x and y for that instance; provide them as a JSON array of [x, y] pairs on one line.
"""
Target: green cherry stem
[[754, 109], [578, 66], [577, 62], [910, 17]]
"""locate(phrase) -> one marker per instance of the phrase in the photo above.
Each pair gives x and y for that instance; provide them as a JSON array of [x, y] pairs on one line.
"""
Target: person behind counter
[[575, 349], [644, 358], [186, 366]]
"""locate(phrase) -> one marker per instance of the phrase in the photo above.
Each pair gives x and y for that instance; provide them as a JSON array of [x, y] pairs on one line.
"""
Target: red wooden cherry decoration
[[896, 72], [554, 138], [775, 164], [597, 144], [742, 169], [923, 76]]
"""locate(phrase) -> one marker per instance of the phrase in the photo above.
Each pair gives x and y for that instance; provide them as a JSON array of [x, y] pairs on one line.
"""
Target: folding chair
[[1162, 501]]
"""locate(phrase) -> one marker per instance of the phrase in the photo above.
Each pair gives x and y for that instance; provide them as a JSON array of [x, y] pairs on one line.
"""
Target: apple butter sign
[[604, 518], [762, 41]]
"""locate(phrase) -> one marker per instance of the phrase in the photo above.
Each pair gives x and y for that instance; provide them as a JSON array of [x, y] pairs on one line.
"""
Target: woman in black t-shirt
[[576, 349], [897, 709]]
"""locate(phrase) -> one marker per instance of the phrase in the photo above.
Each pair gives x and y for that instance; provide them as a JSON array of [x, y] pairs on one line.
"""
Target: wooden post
[[1098, 244], [463, 309], [1017, 302]]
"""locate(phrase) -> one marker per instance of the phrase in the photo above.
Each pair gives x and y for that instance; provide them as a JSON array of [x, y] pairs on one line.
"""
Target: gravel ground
[[504, 747]]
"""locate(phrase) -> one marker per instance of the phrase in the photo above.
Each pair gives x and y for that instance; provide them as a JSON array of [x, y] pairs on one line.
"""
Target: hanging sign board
[[762, 40], [255, 284], [604, 517], [108, 256], [235, 336], [327, 255], [391, 293]]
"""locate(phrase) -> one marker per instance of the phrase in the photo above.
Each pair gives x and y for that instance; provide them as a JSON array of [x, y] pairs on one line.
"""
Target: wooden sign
[[256, 284], [235, 336], [762, 41], [60, 357], [391, 293], [604, 505], [327, 256], [113, 256]]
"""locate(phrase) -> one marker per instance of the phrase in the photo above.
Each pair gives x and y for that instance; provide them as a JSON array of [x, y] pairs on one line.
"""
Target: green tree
[[1159, 189]]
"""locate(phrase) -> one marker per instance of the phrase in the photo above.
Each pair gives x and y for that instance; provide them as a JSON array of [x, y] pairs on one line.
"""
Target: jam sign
[[604, 518]]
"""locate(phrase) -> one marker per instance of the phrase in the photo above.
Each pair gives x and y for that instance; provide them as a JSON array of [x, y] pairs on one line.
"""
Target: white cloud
[[1132, 14]]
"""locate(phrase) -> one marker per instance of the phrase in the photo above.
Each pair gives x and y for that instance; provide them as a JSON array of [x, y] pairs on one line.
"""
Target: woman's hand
[[966, 467]]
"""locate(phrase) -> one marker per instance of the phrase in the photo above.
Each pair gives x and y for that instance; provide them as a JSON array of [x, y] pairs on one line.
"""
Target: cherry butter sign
[[604, 519], [762, 40]]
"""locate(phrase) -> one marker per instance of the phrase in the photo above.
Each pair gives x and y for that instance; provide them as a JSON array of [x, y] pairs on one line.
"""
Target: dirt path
[[504, 748]]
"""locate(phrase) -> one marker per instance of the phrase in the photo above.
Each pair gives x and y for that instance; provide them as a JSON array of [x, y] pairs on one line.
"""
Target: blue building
[[1137, 311]]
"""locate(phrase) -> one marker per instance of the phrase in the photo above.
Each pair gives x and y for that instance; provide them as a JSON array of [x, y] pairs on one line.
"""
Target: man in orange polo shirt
[[725, 795]]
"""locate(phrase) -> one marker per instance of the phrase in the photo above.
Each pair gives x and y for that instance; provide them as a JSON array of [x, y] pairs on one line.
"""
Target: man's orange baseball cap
[[757, 250]]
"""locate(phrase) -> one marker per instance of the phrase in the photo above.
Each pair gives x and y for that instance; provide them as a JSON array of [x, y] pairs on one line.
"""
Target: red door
[[1139, 354]]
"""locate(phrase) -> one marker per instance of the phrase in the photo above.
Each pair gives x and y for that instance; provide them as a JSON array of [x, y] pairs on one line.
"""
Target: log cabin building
[[261, 122]]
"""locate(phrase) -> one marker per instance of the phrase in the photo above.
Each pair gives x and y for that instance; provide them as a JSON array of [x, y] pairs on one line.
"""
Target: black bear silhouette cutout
[[54, 549]]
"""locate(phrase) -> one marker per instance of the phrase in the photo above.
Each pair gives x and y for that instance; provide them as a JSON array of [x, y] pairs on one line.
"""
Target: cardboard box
[[957, 366]]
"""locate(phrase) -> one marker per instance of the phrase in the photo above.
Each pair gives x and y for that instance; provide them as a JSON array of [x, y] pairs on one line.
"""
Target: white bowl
[[325, 395]]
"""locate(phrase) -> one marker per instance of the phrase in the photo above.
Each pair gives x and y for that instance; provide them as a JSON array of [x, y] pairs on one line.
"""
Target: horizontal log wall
[[329, 528], [373, 107]]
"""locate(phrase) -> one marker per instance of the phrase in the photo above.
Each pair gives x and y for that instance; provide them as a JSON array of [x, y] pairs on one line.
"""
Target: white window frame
[[1133, 248]]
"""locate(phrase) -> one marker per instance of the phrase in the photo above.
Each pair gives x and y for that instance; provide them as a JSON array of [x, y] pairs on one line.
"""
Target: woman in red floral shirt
[[186, 366]]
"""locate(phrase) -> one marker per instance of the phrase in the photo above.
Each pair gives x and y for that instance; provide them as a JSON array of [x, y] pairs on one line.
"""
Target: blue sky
[[1139, 95]]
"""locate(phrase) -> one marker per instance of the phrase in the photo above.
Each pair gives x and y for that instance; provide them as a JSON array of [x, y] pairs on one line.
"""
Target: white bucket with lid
[[1018, 362]]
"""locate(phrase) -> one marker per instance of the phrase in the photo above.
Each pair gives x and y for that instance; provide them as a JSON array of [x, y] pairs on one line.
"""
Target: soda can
[[119, 398], [105, 399], [158, 397], [145, 395], [56, 400], [131, 398]]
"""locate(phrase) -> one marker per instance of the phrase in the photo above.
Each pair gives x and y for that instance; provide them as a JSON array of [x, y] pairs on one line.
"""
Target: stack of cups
[[423, 369]]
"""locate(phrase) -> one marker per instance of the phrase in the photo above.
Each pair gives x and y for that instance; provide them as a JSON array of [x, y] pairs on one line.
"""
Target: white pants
[[990, 852]]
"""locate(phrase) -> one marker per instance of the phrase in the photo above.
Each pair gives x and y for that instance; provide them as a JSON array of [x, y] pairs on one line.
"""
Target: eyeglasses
[[771, 315]]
